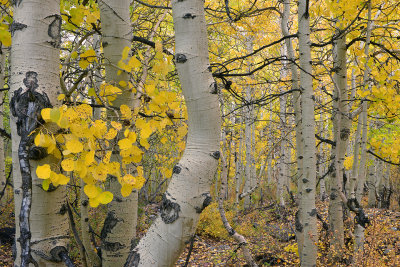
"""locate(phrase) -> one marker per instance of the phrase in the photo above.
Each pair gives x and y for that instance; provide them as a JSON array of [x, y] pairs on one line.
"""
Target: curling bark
[[188, 192]]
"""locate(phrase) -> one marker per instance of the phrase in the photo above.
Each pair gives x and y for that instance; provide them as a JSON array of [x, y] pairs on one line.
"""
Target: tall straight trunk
[[3, 178], [35, 65], [341, 128], [248, 115], [359, 229], [282, 183], [282, 166], [188, 191], [298, 118], [308, 210], [119, 230]]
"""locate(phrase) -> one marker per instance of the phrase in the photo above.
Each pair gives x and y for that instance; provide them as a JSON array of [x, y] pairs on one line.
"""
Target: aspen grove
[[199, 133]]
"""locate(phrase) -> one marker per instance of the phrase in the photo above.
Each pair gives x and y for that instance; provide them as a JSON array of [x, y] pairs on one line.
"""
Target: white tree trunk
[[188, 192], [35, 48], [248, 115], [3, 178], [307, 202], [119, 230], [298, 118]]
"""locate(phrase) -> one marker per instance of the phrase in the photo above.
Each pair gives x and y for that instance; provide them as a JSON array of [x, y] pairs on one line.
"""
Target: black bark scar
[[54, 31], [16, 26], [169, 210], [26, 107]]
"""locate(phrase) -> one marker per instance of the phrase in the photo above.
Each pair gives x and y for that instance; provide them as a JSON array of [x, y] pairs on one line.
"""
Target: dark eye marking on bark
[[176, 169], [189, 16], [54, 31], [16, 26], [214, 88], [298, 225], [207, 200], [26, 107], [169, 210], [180, 58], [216, 154]]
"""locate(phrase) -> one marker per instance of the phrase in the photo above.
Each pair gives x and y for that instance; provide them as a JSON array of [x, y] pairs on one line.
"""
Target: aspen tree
[[308, 178], [35, 67], [119, 228], [188, 192]]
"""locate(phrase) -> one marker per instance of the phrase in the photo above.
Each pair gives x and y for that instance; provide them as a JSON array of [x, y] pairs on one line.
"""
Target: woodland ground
[[267, 229]]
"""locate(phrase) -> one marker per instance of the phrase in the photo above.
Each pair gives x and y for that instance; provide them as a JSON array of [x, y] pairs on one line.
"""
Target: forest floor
[[268, 230]]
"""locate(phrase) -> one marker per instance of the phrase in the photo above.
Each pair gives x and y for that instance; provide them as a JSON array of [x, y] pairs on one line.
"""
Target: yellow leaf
[[132, 136], [93, 202], [116, 125], [43, 172], [68, 164], [55, 114], [182, 131], [91, 19], [158, 46], [146, 131], [134, 63], [126, 189], [92, 191], [125, 144], [122, 83], [74, 146], [45, 114], [89, 158], [112, 133], [61, 97], [74, 55], [125, 52], [83, 64], [62, 179], [105, 197], [167, 173], [126, 112], [107, 157], [89, 55], [46, 184], [144, 143]]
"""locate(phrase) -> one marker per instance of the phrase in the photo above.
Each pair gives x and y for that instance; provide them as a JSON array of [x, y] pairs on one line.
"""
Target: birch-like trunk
[[282, 183], [341, 128], [35, 48], [248, 115], [119, 230], [298, 119], [3, 178], [307, 202], [188, 192]]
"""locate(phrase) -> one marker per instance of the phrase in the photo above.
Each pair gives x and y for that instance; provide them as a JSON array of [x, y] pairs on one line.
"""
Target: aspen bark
[[248, 121], [35, 53], [298, 118], [188, 192], [341, 128], [119, 230], [308, 178], [3, 178]]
